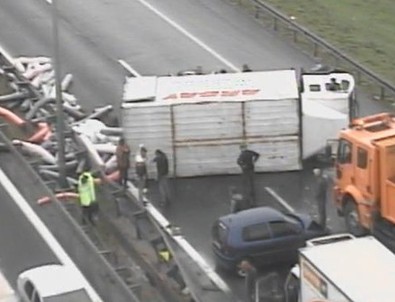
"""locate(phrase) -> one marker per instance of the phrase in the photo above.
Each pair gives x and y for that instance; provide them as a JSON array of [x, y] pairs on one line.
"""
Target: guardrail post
[[275, 24], [315, 50], [382, 93], [257, 11], [295, 36], [358, 76]]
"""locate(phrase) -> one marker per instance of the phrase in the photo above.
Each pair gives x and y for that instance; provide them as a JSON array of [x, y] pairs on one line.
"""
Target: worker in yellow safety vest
[[87, 197]]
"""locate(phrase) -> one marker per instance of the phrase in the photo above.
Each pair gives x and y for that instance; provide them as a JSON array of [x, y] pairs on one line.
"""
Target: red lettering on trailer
[[206, 94], [230, 93], [188, 95], [250, 91], [211, 93], [172, 96]]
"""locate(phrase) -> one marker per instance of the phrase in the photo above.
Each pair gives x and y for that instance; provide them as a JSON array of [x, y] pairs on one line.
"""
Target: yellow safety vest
[[86, 191]]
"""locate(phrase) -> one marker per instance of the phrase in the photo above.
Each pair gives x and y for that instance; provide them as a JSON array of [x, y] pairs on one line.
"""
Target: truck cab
[[342, 268], [335, 89], [328, 103], [364, 191]]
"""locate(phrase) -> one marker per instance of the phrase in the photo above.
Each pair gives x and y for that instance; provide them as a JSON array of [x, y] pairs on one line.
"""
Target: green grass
[[363, 29]]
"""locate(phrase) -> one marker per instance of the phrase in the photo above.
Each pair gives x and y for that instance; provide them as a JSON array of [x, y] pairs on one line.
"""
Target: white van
[[51, 283]]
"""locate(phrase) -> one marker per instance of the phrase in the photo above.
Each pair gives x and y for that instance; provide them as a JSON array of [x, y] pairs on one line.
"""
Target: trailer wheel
[[352, 219]]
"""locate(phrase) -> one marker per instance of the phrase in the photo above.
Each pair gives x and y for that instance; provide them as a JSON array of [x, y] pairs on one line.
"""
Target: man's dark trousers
[[249, 187]]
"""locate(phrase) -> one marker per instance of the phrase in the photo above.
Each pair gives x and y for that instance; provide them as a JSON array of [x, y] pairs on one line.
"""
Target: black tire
[[352, 219]]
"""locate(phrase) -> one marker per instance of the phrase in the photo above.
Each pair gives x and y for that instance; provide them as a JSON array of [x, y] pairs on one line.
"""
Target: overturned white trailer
[[201, 120]]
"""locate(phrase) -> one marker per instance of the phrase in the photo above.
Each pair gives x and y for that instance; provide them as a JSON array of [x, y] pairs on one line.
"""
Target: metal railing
[[260, 8]]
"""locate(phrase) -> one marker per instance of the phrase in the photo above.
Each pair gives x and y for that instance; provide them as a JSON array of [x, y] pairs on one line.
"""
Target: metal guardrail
[[385, 87]]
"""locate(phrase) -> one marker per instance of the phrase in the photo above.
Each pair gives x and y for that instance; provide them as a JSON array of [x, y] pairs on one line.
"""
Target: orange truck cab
[[364, 190]]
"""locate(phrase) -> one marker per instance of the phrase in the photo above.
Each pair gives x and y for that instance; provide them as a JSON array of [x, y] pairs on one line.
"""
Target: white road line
[[280, 200], [190, 36], [129, 68], [183, 243], [43, 231]]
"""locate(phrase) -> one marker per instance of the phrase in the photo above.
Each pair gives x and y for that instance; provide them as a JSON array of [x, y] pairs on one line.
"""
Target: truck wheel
[[352, 219]]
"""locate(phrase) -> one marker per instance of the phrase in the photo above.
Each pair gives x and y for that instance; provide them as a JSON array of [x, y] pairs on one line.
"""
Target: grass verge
[[364, 29]]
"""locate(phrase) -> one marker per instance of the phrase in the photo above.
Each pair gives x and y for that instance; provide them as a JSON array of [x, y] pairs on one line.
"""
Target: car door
[[256, 241], [287, 238]]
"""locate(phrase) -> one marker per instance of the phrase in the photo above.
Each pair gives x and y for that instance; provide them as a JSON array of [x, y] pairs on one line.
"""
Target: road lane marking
[[189, 35], [43, 231], [129, 68], [280, 200]]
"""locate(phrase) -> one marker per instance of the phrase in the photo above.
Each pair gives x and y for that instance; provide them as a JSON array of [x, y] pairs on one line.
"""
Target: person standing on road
[[251, 275], [246, 161], [87, 197], [321, 195], [141, 170], [236, 201], [122, 153], [162, 168], [246, 68]]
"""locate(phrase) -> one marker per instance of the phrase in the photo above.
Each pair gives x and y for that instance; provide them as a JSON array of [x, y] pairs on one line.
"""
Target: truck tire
[[352, 219]]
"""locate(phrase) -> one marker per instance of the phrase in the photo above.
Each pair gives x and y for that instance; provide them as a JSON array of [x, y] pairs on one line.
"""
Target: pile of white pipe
[[91, 145]]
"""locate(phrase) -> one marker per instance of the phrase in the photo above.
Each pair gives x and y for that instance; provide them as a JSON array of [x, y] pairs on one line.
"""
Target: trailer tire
[[352, 219]]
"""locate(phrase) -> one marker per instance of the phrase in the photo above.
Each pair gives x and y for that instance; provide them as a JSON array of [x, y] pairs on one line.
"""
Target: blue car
[[262, 235]]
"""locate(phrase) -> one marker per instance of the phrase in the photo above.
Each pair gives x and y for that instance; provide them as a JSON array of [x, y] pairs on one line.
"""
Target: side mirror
[[331, 148]]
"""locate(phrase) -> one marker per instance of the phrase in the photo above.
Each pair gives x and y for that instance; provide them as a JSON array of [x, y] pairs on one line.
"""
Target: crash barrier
[[279, 21], [86, 149], [204, 283], [123, 216], [77, 245]]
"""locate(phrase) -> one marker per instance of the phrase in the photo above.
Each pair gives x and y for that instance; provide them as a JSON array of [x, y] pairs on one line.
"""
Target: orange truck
[[364, 186]]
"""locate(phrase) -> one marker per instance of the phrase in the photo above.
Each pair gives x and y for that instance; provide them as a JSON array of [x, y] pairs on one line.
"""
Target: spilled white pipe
[[53, 174], [112, 131], [66, 82], [35, 150], [90, 148], [105, 148], [111, 164], [99, 112]]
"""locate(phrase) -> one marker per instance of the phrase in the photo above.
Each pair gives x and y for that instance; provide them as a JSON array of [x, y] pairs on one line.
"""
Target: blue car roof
[[252, 216]]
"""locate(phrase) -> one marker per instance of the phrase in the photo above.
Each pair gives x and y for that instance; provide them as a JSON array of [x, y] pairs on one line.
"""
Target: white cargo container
[[349, 270], [199, 121]]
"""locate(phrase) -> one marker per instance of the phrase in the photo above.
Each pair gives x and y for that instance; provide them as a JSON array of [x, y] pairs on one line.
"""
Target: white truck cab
[[328, 103], [51, 283], [342, 268], [335, 89]]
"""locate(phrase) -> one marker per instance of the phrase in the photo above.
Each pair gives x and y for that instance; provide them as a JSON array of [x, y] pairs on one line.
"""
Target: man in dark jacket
[[246, 161], [122, 153], [162, 168]]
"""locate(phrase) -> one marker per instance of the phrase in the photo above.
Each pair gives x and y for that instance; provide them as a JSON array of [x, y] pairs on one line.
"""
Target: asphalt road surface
[[160, 37], [21, 246]]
